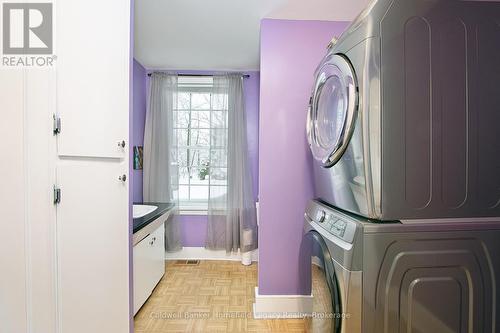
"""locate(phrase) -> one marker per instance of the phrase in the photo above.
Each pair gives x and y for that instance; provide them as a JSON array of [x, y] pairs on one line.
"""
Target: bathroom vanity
[[149, 249]]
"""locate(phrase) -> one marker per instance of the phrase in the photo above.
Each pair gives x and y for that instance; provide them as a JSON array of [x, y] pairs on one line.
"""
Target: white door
[[93, 62], [333, 110]]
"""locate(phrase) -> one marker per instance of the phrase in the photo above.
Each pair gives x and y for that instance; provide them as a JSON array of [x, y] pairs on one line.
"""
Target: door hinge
[[57, 195], [56, 125]]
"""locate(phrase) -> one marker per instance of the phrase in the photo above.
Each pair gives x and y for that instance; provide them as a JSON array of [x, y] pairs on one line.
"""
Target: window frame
[[197, 206]]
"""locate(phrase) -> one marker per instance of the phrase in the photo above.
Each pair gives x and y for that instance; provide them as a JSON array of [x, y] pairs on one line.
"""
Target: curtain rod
[[245, 76]]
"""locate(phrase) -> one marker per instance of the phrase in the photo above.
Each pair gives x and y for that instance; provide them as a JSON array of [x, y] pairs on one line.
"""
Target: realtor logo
[[27, 28]]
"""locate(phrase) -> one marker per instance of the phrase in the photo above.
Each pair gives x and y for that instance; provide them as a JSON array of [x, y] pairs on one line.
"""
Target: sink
[[142, 210]]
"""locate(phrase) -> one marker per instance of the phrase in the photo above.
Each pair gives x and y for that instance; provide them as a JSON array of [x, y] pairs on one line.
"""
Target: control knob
[[321, 216]]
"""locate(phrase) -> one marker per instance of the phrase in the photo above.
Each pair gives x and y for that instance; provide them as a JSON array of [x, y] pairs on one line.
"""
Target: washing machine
[[395, 277], [404, 113]]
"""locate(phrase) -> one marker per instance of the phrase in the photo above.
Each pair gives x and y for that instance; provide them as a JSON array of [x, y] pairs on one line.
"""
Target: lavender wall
[[194, 226], [290, 52], [138, 119], [194, 230]]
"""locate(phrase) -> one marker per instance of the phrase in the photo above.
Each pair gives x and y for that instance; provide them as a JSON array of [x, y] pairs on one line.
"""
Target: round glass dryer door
[[333, 110]]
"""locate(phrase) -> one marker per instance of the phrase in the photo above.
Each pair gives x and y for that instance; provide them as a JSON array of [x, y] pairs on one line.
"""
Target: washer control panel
[[334, 225], [334, 222]]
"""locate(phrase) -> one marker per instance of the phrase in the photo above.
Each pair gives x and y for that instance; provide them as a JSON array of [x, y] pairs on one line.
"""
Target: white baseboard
[[282, 306], [200, 253]]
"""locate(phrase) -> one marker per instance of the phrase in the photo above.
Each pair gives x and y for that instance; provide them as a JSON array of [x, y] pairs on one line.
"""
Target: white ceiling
[[218, 34]]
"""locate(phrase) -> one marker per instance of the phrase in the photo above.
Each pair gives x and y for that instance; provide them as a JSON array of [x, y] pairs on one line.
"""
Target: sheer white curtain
[[160, 156], [232, 222]]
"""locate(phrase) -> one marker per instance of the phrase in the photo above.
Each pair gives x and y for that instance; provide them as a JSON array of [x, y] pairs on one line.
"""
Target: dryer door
[[327, 305], [333, 109]]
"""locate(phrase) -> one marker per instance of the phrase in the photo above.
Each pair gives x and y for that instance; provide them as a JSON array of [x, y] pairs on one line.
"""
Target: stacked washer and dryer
[[403, 126]]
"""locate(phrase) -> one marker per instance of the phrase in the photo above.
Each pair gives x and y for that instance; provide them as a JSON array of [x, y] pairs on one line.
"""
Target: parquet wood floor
[[217, 296]]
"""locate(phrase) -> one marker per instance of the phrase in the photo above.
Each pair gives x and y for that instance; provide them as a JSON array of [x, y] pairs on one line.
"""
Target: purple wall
[[194, 226], [139, 117], [290, 52], [194, 230]]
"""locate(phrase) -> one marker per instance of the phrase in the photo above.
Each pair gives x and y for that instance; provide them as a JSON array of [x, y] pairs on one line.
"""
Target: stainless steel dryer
[[405, 112], [394, 277]]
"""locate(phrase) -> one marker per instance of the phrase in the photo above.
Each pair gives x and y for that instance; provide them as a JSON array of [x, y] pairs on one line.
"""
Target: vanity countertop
[[141, 222]]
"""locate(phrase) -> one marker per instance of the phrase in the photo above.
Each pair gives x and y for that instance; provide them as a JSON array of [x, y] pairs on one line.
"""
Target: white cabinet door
[[149, 265], [158, 254], [13, 293], [143, 266], [41, 212], [27, 248], [92, 246], [92, 44], [92, 48]]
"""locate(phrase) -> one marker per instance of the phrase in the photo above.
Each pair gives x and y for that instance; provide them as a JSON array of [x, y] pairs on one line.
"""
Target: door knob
[[121, 143], [122, 178]]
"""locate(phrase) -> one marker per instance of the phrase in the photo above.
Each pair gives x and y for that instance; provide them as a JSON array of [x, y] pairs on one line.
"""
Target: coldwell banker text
[[27, 35]]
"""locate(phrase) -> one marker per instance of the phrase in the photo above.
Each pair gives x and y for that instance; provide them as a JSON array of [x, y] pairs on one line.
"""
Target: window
[[200, 128]]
